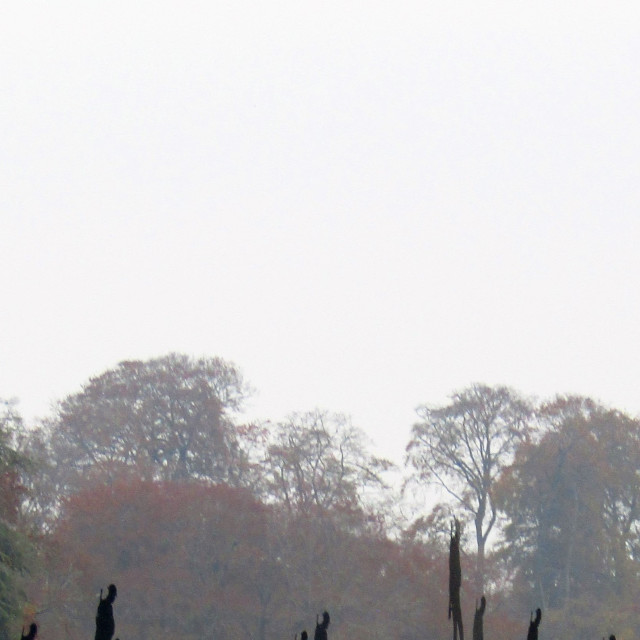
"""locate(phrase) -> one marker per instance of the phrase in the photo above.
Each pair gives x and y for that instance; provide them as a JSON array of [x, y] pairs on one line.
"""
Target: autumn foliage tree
[[168, 418], [571, 500], [189, 558], [192, 560]]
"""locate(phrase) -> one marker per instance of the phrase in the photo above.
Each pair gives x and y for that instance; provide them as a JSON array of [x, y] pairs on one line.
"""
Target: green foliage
[[15, 559], [15, 549]]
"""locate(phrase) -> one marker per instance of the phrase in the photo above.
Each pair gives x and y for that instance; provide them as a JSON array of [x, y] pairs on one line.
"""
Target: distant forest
[[213, 528]]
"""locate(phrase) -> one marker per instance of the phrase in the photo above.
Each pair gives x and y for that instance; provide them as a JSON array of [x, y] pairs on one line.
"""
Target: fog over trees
[[149, 478]]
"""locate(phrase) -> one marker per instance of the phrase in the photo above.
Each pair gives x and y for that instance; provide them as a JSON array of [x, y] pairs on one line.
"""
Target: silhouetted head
[[612, 637], [303, 635], [325, 619], [113, 593]]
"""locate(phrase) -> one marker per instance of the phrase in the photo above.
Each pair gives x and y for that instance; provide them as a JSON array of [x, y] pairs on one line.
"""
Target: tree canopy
[[169, 418], [148, 477], [318, 461], [571, 503]]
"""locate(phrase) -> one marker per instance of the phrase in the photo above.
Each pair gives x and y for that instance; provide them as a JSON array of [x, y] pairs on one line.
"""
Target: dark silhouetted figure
[[33, 632], [534, 623], [105, 625], [321, 627], [303, 635], [455, 580], [478, 633]]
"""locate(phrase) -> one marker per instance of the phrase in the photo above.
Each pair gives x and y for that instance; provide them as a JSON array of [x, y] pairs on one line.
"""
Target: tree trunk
[[481, 543]]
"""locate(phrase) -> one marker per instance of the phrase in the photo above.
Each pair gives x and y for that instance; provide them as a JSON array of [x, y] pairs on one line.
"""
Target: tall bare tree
[[464, 445]]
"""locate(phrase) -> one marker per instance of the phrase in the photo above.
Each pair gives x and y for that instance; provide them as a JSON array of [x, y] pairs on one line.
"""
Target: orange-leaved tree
[[189, 559]]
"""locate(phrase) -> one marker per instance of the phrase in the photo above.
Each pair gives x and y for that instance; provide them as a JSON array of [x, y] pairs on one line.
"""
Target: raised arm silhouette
[[105, 625], [534, 623], [321, 627]]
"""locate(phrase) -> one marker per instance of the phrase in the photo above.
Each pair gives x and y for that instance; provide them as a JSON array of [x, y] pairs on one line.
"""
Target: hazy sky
[[365, 206]]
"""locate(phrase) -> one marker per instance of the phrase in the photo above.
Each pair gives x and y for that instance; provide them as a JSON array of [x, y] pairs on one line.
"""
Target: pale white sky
[[363, 205]]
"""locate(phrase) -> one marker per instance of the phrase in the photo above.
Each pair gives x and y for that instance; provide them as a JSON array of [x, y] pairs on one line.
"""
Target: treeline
[[211, 527]]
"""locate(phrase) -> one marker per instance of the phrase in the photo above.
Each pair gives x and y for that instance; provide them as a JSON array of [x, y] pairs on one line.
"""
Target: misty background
[[247, 250], [364, 208]]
